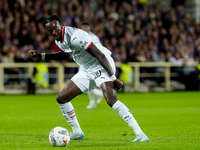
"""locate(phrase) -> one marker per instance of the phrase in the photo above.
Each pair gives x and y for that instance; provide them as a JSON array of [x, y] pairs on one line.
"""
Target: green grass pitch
[[171, 121]]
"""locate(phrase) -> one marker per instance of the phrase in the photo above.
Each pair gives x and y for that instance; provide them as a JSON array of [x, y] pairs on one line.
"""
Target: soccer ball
[[59, 136]]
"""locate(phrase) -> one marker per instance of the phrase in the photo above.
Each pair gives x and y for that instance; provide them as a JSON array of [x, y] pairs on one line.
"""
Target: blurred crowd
[[132, 30]]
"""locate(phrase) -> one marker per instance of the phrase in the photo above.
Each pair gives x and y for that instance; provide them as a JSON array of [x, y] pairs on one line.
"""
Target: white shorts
[[88, 81]]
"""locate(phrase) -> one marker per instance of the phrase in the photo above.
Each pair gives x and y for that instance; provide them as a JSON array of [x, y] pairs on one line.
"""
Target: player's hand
[[35, 56], [118, 84]]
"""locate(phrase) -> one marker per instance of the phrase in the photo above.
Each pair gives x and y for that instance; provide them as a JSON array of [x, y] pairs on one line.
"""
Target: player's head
[[53, 25], [86, 26]]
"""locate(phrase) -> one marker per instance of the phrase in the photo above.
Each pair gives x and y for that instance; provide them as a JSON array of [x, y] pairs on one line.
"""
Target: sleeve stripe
[[88, 46]]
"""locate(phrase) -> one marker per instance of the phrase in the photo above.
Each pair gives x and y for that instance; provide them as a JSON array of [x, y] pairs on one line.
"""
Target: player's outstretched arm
[[94, 51], [35, 56]]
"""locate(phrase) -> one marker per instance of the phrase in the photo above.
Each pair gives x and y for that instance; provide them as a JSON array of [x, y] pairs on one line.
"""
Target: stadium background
[[135, 31]]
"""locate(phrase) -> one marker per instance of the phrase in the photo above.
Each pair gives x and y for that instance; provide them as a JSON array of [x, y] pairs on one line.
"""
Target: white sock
[[124, 112], [69, 114], [91, 97]]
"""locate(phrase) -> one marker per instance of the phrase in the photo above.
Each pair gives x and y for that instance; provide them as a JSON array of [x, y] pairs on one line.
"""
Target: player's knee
[[58, 98], [61, 98]]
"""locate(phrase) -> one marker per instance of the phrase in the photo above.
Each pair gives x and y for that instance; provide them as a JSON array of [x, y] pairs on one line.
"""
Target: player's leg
[[91, 100], [70, 91], [123, 111], [63, 98]]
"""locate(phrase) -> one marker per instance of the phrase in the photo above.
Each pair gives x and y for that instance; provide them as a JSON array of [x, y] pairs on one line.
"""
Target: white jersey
[[76, 42], [94, 37]]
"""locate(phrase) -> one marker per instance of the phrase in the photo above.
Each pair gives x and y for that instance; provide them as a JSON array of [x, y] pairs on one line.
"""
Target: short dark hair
[[51, 18]]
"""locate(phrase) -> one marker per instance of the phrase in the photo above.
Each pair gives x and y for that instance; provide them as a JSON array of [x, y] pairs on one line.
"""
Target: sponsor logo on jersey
[[84, 44]]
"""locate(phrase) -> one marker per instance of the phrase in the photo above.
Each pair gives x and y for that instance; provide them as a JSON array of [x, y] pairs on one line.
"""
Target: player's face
[[55, 29]]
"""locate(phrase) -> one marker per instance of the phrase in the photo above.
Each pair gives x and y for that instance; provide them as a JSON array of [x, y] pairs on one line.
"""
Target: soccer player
[[97, 69], [97, 92]]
